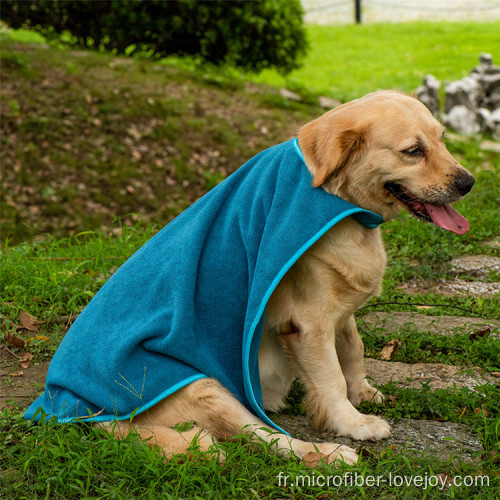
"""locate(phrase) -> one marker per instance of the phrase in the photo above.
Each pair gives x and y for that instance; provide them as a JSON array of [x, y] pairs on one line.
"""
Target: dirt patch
[[441, 439], [20, 385], [87, 144], [438, 375]]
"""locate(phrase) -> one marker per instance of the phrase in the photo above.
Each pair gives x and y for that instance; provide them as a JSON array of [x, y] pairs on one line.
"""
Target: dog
[[383, 152]]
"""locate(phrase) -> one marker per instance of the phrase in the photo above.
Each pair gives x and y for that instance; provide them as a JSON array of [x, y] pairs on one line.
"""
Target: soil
[[20, 385]]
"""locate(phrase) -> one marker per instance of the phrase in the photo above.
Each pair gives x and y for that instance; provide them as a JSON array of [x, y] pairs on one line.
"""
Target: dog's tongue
[[447, 217]]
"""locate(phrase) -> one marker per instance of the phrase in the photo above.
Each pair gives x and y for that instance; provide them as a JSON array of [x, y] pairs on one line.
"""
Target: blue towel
[[191, 302]]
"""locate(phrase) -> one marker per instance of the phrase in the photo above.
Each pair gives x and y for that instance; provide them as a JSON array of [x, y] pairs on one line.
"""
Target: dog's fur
[[352, 151]]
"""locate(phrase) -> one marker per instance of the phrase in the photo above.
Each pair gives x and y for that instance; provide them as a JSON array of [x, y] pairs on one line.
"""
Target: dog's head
[[385, 151]]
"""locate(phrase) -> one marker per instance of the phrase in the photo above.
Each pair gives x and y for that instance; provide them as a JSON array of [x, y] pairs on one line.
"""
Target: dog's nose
[[464, 183]]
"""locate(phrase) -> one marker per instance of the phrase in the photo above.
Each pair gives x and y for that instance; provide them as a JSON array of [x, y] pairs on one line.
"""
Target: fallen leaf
[[480, 333], [445, 480], [14, 340], [314, 458], [483, 412], [483, 331], [392, 399], [390, 349], [424, 307], [16, 374], [25, 361], [496, 374], [29, 321]]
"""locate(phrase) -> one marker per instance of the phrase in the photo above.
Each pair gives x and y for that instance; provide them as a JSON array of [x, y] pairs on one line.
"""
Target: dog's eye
[[414, 151]]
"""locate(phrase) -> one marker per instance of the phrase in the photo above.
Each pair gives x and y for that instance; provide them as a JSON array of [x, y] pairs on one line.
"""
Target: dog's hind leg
[[214, 409], [350, 351]]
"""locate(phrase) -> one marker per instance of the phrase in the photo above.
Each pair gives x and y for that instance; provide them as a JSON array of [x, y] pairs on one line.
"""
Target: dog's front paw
[[370, 427], [358, 426]]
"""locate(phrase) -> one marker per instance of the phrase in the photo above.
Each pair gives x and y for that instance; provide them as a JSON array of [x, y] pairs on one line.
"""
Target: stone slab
[[440, 325], [478, 266], [452, 287], [413, 375]]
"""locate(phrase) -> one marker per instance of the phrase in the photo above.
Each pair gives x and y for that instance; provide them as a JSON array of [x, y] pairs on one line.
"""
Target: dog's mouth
[[444, 216]]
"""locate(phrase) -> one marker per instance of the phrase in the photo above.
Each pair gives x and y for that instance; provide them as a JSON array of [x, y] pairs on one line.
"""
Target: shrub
[[249, 34]]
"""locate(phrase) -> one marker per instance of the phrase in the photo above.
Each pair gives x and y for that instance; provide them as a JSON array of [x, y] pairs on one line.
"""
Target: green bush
[[249, 34]]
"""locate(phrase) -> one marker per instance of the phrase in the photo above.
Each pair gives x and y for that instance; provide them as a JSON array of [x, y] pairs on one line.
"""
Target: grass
[[120, 128], [349, 61], [80, 462]]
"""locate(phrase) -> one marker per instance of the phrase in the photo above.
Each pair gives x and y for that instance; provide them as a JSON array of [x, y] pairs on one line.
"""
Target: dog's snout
[[463, 183]]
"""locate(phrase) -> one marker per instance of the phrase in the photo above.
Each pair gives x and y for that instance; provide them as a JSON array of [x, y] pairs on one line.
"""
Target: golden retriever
[[382, 152]]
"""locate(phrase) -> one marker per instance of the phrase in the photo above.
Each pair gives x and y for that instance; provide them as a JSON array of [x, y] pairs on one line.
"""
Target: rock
[[441, 439], [495, 116], [328, 102], [472, 104], [465, 92], [485, 120], [428, 94], [463, 120], [485, 60], [288, 94]]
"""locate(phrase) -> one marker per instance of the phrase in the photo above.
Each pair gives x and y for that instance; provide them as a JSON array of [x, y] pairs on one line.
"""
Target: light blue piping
[[260, 311], [297, 149], [246, 354]]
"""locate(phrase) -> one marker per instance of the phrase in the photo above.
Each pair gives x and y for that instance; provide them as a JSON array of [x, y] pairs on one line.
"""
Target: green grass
[[349, 61], [79, 118], [77, 461]]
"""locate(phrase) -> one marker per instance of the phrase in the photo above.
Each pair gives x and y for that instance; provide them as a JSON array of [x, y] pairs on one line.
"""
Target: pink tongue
[[447, 217]]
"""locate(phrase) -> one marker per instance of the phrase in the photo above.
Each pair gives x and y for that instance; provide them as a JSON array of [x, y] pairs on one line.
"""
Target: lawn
[[349, 61], [103, 151]]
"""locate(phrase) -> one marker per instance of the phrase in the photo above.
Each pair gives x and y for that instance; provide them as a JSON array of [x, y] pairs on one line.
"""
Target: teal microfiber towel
[[191, 302]]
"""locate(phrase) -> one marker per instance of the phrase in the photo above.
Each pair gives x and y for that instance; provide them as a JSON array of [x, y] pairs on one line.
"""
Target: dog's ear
[[329, 145]]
